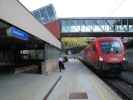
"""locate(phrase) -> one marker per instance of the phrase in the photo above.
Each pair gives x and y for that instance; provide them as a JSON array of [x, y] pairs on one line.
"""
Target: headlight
[[124, 58], [100, 59]]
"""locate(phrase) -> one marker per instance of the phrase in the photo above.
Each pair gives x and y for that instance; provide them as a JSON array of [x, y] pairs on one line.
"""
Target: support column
[[43, 63]]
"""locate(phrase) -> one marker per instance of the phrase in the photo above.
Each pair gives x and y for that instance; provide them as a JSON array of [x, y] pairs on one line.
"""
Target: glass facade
[[45, 14]]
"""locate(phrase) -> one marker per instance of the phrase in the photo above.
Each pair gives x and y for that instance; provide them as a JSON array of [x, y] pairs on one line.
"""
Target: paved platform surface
[[78, 79], [25, 86], [77, 82]]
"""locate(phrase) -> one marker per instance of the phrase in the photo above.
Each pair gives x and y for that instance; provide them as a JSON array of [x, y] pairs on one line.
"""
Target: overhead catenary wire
[[118, 7]]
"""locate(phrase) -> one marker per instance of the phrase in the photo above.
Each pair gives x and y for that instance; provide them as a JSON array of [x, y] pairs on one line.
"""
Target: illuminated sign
[[17, 33]]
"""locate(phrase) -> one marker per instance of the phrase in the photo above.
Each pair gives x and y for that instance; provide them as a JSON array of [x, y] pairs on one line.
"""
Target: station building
[[25, 41]]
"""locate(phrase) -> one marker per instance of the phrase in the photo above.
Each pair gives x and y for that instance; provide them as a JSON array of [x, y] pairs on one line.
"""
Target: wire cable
[[118, 7]]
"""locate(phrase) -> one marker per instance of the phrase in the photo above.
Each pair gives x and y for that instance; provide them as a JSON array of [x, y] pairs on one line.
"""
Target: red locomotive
[[105, 53]]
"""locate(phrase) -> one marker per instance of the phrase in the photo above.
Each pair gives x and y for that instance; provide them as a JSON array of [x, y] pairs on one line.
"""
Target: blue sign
[[17, 33]]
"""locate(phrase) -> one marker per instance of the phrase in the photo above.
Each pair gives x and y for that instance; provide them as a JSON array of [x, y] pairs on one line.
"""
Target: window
[[113, 46]]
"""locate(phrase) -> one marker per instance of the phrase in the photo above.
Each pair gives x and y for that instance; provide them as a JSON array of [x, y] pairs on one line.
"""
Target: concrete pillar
[[43, 64]]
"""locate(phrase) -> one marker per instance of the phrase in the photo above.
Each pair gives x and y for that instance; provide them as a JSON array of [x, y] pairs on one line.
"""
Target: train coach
[[105, 54]]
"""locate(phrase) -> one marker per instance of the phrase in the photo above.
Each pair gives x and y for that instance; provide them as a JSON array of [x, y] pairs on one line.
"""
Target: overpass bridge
[[96, 26]]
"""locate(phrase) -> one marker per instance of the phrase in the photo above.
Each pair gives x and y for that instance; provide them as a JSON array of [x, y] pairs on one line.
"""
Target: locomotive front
[[111, 52]]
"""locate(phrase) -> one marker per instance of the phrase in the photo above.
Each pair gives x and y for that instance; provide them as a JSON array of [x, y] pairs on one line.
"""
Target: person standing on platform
[[61, 64]]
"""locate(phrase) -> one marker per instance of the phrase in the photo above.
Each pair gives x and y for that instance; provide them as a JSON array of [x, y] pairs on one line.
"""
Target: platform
[[25, 86], [77, 82]]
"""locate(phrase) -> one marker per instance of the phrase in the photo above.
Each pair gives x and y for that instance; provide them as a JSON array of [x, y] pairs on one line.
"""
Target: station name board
[[17, 33]]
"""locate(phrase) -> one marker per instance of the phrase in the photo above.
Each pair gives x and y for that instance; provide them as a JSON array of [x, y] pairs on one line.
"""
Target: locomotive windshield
[[111, 47]]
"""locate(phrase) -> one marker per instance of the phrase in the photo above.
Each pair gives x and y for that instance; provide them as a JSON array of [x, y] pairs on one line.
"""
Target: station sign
[[17, 33]]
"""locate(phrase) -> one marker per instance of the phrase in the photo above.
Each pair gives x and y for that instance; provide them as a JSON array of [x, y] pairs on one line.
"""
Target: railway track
[[121, 86]]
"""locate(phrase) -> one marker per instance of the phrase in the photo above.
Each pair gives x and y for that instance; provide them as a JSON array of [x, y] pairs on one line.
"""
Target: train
[[105, 54]]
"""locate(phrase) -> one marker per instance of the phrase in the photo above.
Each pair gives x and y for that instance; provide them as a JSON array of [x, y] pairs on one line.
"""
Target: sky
[[85, 8]]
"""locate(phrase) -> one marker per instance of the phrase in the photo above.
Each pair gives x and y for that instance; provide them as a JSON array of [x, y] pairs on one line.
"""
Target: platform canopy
[[14, 13]]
